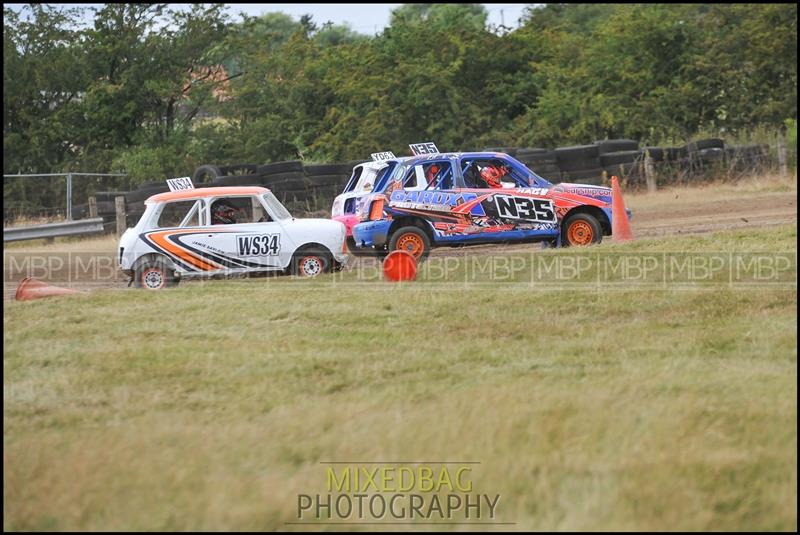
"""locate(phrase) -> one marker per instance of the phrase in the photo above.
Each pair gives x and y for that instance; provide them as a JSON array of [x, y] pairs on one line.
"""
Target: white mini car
[[225, 230]]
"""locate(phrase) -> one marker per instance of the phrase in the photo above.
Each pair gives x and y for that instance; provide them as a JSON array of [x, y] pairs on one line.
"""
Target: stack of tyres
[[134, 200], [703, 153], [287, 181], [541, 161], [243, 174], [625, 164], [580, 164], [326, 181], [604, 146]]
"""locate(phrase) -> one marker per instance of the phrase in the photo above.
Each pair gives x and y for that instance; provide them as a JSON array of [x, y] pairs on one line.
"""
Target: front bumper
[[340, 258], [371, 233]]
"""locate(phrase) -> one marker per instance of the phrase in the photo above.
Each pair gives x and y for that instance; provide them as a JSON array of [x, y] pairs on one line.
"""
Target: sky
[[363, 18]]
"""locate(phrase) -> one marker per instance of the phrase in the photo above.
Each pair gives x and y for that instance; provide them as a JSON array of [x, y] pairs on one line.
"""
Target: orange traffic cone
[[620, 226], [31, 288], [400, 266]]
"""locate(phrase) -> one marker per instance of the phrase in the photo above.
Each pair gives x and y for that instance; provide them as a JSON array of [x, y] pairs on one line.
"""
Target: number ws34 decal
[[188, 250]]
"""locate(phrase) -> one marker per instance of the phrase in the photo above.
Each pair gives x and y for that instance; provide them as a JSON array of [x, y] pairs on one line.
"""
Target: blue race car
[[439, 199]]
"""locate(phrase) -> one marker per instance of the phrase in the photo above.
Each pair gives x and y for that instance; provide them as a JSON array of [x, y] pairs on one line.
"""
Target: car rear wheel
[[154, 274], [310, 263], [412, 240], [581, 229]]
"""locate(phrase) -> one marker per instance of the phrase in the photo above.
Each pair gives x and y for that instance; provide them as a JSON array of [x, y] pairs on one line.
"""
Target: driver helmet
[[431, 173], [223, 213], [491, 175]]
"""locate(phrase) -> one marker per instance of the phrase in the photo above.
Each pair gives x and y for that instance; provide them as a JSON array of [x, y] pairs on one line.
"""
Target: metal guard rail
[[53, 230]]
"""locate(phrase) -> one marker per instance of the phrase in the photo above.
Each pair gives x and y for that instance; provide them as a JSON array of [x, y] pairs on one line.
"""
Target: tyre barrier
[[317, 184]]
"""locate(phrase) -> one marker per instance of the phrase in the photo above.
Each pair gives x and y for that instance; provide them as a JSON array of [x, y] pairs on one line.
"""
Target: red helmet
[[223, 213], [491, 175], [431, 173]]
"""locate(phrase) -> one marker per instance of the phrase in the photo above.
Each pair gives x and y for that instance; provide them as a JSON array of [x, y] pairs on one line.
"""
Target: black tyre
[[288, 182], [413, 240], [238, 180], [673, 154], [585, 176], [524, 153], [580, 229], [310, 262], [106, 207], [616, 145], [154, 274], [327, 169], [108, 195], [238, 169], [701, 144], [539, 158], [329, 180], [275, 168], [80, 211], [625, 156], [578, 152], [656, 153], [143, 194], [205, 173]]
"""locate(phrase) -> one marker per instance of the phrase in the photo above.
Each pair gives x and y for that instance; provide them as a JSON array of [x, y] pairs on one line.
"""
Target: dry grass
[[211, 406], [720, 190]]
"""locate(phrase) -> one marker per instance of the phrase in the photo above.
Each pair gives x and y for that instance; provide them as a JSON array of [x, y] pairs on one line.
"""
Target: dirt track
[[699, 216], [668, 212]]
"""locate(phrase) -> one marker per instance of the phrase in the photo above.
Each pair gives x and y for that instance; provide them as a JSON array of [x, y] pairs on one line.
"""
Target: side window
[[491, 173], [180, 214], [351, 184], [235, 210], [429, 175]]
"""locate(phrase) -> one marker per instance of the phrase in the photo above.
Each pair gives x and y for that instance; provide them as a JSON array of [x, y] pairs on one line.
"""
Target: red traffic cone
[[620, 226], [400, 266], [31, 288]]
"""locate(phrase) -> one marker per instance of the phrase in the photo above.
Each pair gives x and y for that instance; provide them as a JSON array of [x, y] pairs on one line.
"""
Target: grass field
[[211, 406]]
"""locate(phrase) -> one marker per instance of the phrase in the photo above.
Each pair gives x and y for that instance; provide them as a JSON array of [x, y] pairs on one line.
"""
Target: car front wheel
[[154, 274], [581, 229], [310, 263]]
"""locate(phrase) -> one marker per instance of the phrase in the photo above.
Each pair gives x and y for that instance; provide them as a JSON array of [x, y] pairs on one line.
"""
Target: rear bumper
[[349, 222], [371, 233]]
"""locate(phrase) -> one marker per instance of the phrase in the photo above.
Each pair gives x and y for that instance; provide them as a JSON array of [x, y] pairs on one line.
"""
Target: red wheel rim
[[412, 244], [153, 279], [580, 233], [311, 266]]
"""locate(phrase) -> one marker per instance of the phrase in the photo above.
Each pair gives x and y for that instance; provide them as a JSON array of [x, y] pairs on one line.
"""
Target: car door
[[254, 242], [512, 207], [179, 232]]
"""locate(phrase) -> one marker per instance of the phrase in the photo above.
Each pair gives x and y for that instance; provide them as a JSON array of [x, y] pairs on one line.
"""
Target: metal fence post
[[69, 196], [92, 207], [782, 157], [649, 172], [119, 204]]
